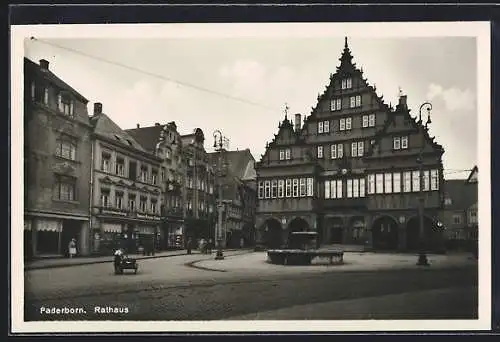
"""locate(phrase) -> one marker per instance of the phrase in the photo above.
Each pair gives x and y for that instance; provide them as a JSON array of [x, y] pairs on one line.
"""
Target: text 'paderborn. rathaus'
[[350, 171]]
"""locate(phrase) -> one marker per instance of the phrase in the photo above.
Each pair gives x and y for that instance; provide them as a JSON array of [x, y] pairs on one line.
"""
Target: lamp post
[[219, 142], [422, 257]]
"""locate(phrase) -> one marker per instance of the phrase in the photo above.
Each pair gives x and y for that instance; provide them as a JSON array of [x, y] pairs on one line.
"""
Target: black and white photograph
[[246, 177]]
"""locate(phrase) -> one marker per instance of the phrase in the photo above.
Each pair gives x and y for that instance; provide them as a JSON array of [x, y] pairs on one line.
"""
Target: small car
[[126, 263]]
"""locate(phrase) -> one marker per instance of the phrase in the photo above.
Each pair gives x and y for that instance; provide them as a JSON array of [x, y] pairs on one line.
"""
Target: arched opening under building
[[248, 234], [298, 224], [432, 234], [273, 233], [385, 233], [358, 230], [334, 230]]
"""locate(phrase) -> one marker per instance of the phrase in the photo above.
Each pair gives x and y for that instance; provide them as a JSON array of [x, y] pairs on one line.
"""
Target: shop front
[[172, 235]]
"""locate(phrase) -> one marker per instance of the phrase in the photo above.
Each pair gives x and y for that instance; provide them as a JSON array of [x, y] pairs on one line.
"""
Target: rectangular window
[[274, 188], [434, 180], [281, 188], [348, 123], [288, 188], [407, 181], [354, 149], [267, 189], [347, 83], [457, 219], [355, 188], [365, 121], [105, 198], [335, 104], [396, 182], [46, 96], [65, 188], [362, 187], [396, 143], [326, 126], [302, 187], [154, 205], [342, 124], [105, 162], [33, 90], [131, 202], [388, 183], [339, 188], [333, 151], [154, 177], [327, 189], [120, 167], [352, 101], [320, 151], [282, 154], [361, 148], [144, 175], [143, 204], [340, 151], [426, 180], [310, 187], [349, 188], [333, 189], [358, 100], [118, 199], [287, 154], [66, 148], [295, 188], [371, 120], [379, 183], [416, 181], [371, 184], [320, 127], [404, 142]]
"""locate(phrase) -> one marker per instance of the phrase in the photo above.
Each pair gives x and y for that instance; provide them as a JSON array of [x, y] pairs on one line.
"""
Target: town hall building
[[351, 171]]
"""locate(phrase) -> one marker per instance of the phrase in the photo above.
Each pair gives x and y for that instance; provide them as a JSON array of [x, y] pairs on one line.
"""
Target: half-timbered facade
[[350, 171]]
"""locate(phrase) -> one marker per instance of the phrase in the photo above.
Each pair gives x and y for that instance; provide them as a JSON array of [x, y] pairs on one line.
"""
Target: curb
[[192, 264]]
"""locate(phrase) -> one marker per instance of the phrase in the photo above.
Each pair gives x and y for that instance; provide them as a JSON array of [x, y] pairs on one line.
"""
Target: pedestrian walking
[[210, 246], [72, 248], [189, 245], [242, 242]]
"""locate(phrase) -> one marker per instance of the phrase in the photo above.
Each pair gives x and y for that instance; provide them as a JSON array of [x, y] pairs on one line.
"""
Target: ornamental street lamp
[[219, 143], [422, 257]]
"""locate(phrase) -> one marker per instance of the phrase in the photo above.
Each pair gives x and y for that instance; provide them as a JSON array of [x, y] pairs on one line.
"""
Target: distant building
[[238, 194], [350, 171], [460, 211], [126, 189], [57, 149]]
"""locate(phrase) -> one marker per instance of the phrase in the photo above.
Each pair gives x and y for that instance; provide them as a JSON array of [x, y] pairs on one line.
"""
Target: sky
[[265, 73]]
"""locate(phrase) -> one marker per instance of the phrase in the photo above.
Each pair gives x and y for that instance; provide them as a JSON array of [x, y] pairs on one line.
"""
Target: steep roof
[[473, 175], [462, 194], [106, 127], [238, 162], [147, 137], [48, 75]]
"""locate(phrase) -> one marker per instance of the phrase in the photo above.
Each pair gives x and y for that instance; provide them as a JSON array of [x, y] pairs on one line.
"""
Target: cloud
[[454, 98]]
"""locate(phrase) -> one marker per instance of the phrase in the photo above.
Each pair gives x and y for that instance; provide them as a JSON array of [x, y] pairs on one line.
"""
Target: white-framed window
[[354, 149], [320, 127], [379, 183], [404, 142], [105, 162], [120, 166], [326, 126], [361, 148], [396, 143], [340, 151], [281, 188], [348, 124], [371, 120], [388, 183], [65, 188], [310, 187], [131, 202], [154, 177], [371, 184], [339, 188], [349, 188], [118, 199], [46, 96], [320, 151], [365, 121], [342, 124], [274, 188], [154, 206], [358, 100], [105, 198], [335, 104], [333, 189], [65, 104], [434, 180], [295, 187], [267, 189], [287, 154], [362, 187], [426, 181], [416, 181], [327, 189], [282, 154], [346, 83], [355, 188], [333, 151], [302, 187], [144, 175], [396, 182], [143, 204], [355, 101], [66, 148], [288, 188], [407, 181], [448, 201]]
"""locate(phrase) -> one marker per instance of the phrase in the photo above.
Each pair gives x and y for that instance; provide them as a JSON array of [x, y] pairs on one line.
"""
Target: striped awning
[[112, 227], [49, 225]]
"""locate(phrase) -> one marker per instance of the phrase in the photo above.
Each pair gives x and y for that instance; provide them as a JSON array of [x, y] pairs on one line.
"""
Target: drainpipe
[[91, 194]]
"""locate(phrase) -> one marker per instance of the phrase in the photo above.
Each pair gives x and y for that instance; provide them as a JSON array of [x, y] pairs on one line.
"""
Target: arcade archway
[[298, 224], [334, 230], [273, 236], [358, 230], [432, 234], [385, 233]]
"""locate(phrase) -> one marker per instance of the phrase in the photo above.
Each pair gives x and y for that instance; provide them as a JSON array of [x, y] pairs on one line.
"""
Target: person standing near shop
[[72, 248]]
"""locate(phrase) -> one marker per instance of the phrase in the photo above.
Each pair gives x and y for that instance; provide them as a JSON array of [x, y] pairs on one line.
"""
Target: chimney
[[44, 64], [138, 126], [297, 122], [402, 101], [157, 124], [97, 108]]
